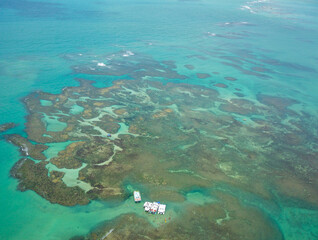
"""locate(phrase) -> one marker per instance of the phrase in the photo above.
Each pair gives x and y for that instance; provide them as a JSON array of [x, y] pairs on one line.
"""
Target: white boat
[[147, 206], [154, 207], [137, 196], [162, 209]]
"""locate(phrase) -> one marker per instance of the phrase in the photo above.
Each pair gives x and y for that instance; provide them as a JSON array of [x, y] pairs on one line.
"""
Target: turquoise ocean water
[[230, 37]]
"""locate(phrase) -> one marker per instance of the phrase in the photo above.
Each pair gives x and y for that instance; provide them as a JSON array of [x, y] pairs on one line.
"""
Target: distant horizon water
[[241, 49]]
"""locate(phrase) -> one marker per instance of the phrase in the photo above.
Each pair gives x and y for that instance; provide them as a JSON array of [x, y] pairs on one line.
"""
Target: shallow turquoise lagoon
[[269, 46]]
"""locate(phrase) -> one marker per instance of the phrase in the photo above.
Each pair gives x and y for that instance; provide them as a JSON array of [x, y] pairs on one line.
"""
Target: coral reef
[[34, 176], [26, 147], [203, 75], [230, 79], [224, 220], [6, 126], [221, 85], [168, 138], [189, 66]]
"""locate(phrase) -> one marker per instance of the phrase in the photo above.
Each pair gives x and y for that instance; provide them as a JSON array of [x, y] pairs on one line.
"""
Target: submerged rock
[[239, 94], [278, 102], [230, 79], [6, 126], [203, 75], [221, 85], [189, 66]]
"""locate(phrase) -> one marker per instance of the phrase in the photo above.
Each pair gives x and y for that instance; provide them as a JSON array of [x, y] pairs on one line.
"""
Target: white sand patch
[[141, 94], [108, 161], [227, 217], [186, 92]]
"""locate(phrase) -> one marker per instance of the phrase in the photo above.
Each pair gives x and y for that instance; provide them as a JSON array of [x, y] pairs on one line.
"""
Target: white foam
[[245, 7], [128, 53], [259, 1], [211, 34], [101, 64], [25, 149]]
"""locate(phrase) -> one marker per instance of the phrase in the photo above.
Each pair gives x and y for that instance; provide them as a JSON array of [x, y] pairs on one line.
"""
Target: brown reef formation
[[169, 138], [126, 129], [227, 219], [6, 126]]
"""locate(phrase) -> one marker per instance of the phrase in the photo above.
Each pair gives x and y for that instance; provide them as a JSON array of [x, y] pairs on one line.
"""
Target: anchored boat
[[147, 206], [162, 209], [137, 196], [155, 207]]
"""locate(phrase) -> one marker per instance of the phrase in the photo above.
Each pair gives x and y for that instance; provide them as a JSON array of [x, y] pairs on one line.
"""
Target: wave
[[128, 53], [25, 149], [211, 34], [101, 64], [246, 7], [230, 24]]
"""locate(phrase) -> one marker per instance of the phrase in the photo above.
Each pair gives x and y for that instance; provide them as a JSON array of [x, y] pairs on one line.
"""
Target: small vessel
[[154, 207], [162, 209], [137, 196], [147, 206]]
